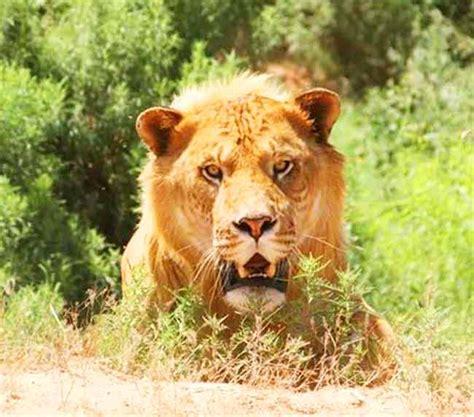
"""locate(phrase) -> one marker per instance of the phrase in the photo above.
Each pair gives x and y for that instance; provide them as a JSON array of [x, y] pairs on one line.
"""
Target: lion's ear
[[322, 107], [155, 125]]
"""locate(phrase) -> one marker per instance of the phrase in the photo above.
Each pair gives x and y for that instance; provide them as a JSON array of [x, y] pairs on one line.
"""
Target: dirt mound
[[86, 388]]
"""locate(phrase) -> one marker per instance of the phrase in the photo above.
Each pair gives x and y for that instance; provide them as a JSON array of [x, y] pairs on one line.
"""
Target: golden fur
[[244, 127]]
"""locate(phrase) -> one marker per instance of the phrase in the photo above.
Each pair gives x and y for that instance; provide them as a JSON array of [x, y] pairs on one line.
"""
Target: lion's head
[[241, 181]]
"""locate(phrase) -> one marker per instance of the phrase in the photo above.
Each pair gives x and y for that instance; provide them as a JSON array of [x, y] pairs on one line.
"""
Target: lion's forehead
[[252, 123], [244, 117]]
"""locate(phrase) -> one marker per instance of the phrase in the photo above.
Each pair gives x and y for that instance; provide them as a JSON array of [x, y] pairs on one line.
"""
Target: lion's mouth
[[257, 274]]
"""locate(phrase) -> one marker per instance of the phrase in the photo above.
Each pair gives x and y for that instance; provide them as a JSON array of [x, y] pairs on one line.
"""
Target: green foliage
[[224, 24], [330, 302], [418, 243], [40, 239], [297, 27], [42, 242], [112, 69], [412, 186], [366, 42], [460, 12], [372, 39], [78, 260], [29, 111], [20, 34], [33, 315], [202, 68], [13, 227]]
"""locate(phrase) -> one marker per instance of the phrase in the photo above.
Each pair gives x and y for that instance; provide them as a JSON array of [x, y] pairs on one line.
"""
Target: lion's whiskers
[[204, 263], [324, 242], [214, 290], [198, 245], [294, 260]]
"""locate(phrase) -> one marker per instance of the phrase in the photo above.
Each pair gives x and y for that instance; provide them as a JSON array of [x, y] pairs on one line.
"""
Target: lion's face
[[248, 177]]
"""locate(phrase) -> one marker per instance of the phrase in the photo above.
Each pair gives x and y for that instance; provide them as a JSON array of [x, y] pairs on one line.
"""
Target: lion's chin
[[254, 299]]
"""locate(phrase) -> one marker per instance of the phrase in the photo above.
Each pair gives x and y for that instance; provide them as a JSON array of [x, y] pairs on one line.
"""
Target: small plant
[[307, 343], [437, 369], [336, 320], [32, 326], [33, 314]]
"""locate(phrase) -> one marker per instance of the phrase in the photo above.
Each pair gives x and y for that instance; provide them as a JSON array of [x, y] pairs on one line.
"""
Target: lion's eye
[[282, 168], [212, 173]]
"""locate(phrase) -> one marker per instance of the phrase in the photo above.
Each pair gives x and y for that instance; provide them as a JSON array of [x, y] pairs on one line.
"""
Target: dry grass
[[189, 344], [318, 345]]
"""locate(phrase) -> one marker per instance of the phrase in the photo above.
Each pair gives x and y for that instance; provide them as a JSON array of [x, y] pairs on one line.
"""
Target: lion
[[240, 182]]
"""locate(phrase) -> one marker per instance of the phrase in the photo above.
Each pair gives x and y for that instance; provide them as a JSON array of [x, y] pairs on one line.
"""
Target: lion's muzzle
[[232, 280], [255, 288]]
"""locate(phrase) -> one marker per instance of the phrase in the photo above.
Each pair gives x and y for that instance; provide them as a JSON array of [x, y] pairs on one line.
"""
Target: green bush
[[60, 248], [20, 34], [460, 12], [29, 112], [202, 68], [41, 242], [366, 42], [411, 186], [115, 58], [13, 226], [40, 239], [223, 24], [372, 39], [298, 28]]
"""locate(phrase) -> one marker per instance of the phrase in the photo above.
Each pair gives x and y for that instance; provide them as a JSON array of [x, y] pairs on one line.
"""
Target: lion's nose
[[255, 226]]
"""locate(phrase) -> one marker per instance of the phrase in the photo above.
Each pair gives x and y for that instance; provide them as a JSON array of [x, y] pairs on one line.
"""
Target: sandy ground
[[84, 388]]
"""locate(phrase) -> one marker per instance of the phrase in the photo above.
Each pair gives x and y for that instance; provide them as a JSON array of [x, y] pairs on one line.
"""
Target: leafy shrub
[[29, 111], [460, 12], [60, 249], [122, 63], [373, 39], [20, 34], [202, 68], [12, 224], [411, 181], [40, 240], [223, 24], [298, 28], [366, 42]]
